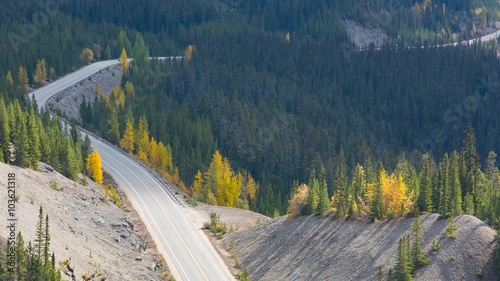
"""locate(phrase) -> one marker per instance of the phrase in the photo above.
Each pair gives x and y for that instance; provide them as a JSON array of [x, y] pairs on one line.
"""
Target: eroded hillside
[[315, 248]]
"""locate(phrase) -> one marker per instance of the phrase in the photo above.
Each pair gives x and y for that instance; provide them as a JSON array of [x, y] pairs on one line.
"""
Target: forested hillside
[[274, 86]]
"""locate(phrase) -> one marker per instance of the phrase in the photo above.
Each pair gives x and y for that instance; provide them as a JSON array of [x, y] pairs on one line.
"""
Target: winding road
[[189, 255]]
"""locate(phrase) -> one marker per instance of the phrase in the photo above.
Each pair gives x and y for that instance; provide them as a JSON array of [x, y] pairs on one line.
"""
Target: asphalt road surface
[[189, 255]]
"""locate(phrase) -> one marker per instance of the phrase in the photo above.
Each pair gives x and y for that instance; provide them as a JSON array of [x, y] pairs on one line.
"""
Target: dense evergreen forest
[[274, 86]]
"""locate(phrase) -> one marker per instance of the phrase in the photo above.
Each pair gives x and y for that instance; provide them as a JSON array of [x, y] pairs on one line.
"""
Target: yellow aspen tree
[[287, 37], [143, 146], [188, 54], [94, 166], [127, 142], [213, 171], [153, 154], [124, 61], [196, 188], [87, 56], [118, 96], [8, 78], [40, 72], [165, 154], [394, 193], [23, 77]]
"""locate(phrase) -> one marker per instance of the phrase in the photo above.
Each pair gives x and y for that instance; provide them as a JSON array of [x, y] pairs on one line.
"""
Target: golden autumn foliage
[[220, 185], [188, 54], [94, 166], [118, 96], [396, 198], [297, 202], [124, 61], [127, 142], [396, 201], [23, 77]]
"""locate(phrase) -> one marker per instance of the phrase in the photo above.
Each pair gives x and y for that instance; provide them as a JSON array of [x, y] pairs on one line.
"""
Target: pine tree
[[341, 188], [114, 127], [40, 72], [456, 190], [417, 253], [444, 184], [40, 235], [4, 132], [21, 259], [46, 246], [313, 194], [19, 134], [324, 200], [128, 140], [9, 80], [94, 166], [403, 268], [124, 42], [140, 52], [34, 147], [71, 163], [425, 195], [124, 61]]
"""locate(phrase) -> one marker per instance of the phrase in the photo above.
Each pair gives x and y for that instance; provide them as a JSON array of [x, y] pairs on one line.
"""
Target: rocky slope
[[93, 234], [315, 248]]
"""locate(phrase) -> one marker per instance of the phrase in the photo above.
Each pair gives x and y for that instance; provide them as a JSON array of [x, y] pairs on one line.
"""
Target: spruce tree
[[21, 258], [40, 236], [456, 190], [34, 146], [425, 195], [417, 255], [444, 187], [4, 132], [324, 200], [403, 268]]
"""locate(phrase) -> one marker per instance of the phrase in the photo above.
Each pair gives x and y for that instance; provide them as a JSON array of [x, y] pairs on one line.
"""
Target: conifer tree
[[114, 127], [23, 77], [128, 140], [444, 187], [417, 254], [34, 147], [140, 52], [40, 72], [4, 132], [9, 80], [71, 163], [403, 268], [124, 61], [46, 245], [313, 194], [21, 260], [324, 200], [40, 235], [425, 195], [456, 190]]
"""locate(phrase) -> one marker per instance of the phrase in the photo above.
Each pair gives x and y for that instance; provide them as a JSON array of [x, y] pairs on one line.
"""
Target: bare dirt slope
[[364, 36], [94, 235], [69, 100], [314, 248]]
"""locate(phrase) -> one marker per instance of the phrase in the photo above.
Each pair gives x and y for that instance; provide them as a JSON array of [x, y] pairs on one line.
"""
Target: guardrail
[[157, 177]]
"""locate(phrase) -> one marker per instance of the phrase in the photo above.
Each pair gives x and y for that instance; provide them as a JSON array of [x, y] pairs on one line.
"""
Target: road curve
[[189, 256]]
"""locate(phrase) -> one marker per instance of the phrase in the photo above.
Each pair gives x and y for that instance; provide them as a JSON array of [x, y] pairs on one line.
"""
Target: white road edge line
[[150, 215]]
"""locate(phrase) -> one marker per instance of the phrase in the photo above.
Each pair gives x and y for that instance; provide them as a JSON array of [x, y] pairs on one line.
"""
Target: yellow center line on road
[[164, 213]]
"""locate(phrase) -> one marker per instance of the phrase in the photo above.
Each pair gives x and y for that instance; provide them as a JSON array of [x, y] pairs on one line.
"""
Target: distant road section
[[189, 256]]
